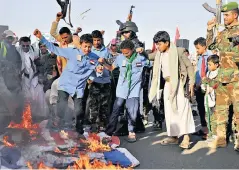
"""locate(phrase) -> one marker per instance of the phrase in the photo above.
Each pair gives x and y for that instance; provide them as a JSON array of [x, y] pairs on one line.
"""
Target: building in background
[[183, 43], [2, 29]]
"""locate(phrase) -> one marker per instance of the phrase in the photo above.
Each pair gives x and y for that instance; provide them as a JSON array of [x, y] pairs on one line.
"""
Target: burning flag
[[95, 145]]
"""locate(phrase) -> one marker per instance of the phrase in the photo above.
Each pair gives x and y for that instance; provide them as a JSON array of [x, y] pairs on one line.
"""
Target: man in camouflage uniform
[[227, 90]]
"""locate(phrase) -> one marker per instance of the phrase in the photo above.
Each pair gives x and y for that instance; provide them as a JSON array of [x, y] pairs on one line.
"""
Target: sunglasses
[[25, 46], [113, 45]]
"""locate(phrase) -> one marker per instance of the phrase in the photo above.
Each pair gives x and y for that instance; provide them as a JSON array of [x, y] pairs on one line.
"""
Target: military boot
[[218, 142]]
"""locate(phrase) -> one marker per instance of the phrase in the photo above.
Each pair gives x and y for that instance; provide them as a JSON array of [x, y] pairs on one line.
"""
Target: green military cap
[[229, 6]]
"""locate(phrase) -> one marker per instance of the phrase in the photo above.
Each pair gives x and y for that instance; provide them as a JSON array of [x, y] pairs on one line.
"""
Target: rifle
[[217, 13], [130, 13], [64, 6]]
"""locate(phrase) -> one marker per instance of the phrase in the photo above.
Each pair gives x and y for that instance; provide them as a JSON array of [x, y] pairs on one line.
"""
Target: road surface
[[155, 156]]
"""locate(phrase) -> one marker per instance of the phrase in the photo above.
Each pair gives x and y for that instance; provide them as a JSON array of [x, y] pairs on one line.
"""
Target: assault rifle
[[217, 13], [64, 7]]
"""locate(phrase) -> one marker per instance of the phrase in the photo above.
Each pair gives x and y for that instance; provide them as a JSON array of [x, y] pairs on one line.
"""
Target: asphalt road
[[155, 156]]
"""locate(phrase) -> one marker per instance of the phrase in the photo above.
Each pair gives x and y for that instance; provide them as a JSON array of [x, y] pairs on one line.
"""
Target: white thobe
[[181, 122]]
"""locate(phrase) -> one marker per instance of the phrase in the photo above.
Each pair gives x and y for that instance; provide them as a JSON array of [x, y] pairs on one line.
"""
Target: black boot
[[79, 127]]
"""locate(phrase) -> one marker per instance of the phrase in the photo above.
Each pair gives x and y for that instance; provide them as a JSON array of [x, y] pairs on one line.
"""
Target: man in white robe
[[32, 90], [174, 66]]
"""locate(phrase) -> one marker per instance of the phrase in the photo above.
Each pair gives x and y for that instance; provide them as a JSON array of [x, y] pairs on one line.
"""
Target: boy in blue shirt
[[131, 66], [81, 64], [99, 88]]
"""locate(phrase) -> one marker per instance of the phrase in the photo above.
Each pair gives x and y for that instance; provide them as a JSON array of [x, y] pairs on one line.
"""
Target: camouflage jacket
[[229, 54]]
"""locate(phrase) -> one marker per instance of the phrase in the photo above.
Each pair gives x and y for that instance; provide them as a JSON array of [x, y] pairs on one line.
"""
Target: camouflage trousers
[[226, 94], [99, 96]]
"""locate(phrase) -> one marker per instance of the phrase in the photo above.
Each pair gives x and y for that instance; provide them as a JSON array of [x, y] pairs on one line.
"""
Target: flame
[[7, 143], [95, 145], [41, 165], [29, 166], [64, 134], [26, 122], [73, 150], [85, 163]]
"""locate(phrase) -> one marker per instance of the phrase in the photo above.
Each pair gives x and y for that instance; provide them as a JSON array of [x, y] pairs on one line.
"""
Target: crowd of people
[[81, 84]]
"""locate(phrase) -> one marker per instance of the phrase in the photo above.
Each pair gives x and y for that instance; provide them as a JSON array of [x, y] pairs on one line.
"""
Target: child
[[131, 66], [80, 66], [201, 70], [210, 98]]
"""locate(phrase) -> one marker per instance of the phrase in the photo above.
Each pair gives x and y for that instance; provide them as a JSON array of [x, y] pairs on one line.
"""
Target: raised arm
[[210, 25], [106, 65], [54, 27], [64, 52]]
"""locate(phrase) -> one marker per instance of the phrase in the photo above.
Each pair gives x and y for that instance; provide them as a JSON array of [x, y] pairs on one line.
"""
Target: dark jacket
[[10, 66]]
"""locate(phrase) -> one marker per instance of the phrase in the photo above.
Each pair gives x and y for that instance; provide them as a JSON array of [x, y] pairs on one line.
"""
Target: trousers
[[226, 94], [99, 96], [132, 106], [78, 109]]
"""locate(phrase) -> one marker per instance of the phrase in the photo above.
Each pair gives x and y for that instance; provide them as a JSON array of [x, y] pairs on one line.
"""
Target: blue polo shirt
[[138, 64], [78, 69], [105, 78]]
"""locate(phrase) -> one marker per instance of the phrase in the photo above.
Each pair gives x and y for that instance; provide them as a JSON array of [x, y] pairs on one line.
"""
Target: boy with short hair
[[81, 64], [210, 98], [131, 66], [99, 88], [201, 70]]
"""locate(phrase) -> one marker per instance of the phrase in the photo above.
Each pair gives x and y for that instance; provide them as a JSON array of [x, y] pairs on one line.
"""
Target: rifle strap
[[69, 14]]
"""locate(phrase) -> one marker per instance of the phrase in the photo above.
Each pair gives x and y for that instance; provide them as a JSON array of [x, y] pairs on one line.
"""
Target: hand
[[89, 81], [78, 30], [191, 90], [101, 60], [211, 23], [37, 33], [59, 16], [102, 32], [99, 69], [139, 50], [76, 40]]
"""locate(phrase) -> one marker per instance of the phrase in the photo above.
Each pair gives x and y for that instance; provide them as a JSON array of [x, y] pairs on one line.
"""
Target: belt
[[167, 79]]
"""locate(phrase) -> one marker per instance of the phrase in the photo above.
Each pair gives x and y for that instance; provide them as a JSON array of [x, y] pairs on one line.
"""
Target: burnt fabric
[[99, 95], [116, 157], [10, 157]]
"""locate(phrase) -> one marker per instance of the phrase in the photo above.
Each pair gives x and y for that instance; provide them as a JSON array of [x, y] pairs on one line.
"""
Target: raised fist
[[59, 16], [37, 33]]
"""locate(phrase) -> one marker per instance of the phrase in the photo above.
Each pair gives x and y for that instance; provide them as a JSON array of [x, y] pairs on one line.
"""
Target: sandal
[[185, 144], [131, 138], [169, 141]]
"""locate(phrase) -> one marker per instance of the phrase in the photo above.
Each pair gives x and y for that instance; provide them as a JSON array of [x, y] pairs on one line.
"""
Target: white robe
[[181, 122], [33, 91]]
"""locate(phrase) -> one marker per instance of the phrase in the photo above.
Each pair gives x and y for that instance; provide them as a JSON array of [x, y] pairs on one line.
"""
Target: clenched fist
[[101, 60], [211, 24], [99, 69], [37, 33], [59, 16]]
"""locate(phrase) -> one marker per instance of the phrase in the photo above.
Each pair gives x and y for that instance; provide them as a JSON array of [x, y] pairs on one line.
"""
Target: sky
[[151, 16]]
